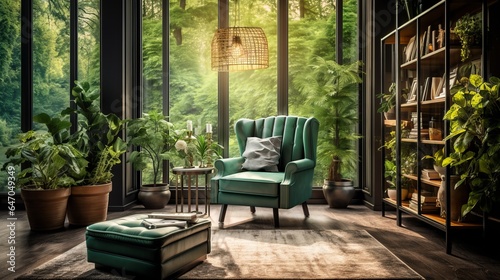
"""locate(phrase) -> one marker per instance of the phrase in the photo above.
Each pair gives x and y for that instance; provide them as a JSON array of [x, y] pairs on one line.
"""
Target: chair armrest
[[224, 167], [228, 166], [297, 166], [296, 186]]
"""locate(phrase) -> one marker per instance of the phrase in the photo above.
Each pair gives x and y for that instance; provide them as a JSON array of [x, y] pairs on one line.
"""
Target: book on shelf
[[430, 174], [424, 133], [428, 41], [409, 49], [433, 40], [425, 209], [424, 198], [441, 88], [426, 90], [422, 43], [436, 86]]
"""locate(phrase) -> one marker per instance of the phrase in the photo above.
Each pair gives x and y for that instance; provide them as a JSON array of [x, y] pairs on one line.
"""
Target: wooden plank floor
[[419, 245]]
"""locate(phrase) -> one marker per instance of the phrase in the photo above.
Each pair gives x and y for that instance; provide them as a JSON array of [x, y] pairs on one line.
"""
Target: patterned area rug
[[265, 254]]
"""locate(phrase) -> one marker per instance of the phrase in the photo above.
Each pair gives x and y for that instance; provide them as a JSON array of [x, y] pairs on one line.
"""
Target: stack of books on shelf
[[430, 174], [427, 203], [424, 133]]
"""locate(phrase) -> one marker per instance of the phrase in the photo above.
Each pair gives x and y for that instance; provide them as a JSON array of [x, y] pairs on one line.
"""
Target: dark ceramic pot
[[338, 194], [154, 197]]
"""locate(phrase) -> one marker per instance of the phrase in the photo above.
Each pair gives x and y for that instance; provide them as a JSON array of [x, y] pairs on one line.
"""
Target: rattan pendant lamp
[[239, 48]]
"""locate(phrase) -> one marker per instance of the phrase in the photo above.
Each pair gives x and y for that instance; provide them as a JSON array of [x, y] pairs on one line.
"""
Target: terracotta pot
[[338, 194], [88, 204], [46, 209], [154, 197]]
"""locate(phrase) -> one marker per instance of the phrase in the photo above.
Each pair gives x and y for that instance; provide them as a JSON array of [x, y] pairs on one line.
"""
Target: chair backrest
[[300, 135]]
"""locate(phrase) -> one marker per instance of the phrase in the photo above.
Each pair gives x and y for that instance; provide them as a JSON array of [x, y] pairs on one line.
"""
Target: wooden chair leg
[[305, 209], [252, 209], [276, 218], [222, 214]]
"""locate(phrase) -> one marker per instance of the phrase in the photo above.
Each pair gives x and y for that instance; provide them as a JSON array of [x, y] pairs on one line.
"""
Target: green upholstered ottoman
[[128, 248]]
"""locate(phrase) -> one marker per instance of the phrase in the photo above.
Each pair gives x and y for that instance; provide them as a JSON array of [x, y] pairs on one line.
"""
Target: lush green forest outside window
[[51, 60], [192, 89], [89, 33], [50, 57], [10, 79], [312, 35], [253, 93]]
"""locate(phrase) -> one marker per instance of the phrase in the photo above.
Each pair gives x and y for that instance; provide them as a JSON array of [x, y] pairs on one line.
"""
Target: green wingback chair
[[290, 186]]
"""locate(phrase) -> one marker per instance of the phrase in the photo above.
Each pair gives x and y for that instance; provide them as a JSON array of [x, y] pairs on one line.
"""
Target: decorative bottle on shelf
[[435, 131]]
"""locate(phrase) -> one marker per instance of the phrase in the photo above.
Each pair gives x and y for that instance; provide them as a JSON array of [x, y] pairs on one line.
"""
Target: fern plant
[[334, 95]]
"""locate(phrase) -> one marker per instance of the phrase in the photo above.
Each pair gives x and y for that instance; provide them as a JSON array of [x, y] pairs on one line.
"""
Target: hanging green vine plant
[[468, 29]]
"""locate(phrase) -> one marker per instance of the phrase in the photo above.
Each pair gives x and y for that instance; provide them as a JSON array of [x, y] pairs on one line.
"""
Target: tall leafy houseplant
[[152, 133], [156, 138], [335, 100], [475, 134], [98, 139], [53, 163]]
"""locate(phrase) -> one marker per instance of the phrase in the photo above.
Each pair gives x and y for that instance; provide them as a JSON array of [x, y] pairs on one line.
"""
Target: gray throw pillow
[[262, 154]]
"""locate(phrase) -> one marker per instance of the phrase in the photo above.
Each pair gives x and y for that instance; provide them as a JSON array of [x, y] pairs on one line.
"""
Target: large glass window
[[10, 80], [89, 54], [51, 61], [192, 83], [51, 50], [192, 88], [312, 38], [253, 93]]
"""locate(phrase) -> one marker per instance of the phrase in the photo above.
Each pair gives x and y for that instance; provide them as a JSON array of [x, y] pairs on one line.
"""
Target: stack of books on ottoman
[[159, 220], [427, 203]]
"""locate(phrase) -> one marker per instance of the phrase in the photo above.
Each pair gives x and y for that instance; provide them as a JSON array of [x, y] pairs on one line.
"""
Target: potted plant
[[98, 139], [468, 29], [53, 163], [156, 138], [388, 101], [334, 95], [474, 128], [438, 158], [391, 176], [408, 166], [207, 150]]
